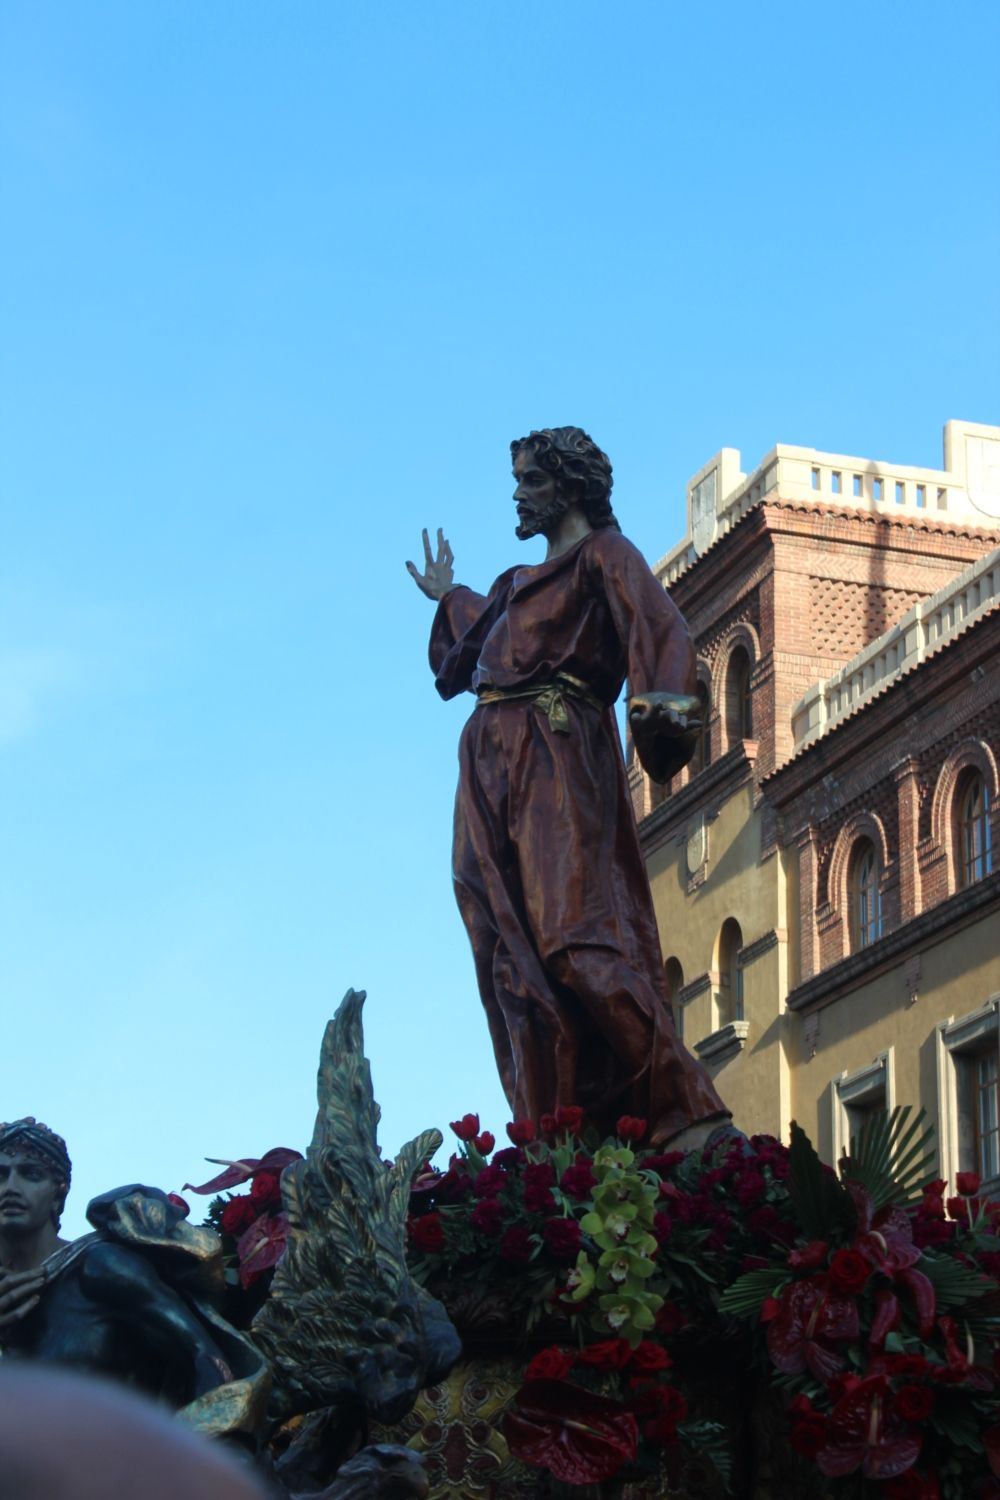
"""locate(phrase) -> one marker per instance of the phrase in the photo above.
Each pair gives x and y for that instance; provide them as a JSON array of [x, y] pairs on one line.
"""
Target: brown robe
[[548, 872]]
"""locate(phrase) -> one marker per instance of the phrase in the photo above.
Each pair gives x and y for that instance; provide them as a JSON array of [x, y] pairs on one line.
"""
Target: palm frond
[[892, 1156]]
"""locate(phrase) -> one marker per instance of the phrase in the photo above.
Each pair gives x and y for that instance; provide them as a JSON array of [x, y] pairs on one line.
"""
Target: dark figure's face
[[29, 1194], [537, 497]]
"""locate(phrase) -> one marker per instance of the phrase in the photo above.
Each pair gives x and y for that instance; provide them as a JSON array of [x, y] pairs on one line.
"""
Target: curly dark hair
[[582, 470], [29, 1137]]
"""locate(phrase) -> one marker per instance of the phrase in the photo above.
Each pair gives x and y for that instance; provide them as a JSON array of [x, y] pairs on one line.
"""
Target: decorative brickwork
[[846, 616]]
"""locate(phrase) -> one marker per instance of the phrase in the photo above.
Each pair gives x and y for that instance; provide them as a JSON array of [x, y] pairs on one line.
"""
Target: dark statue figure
[[133, 1300], [548, 871]]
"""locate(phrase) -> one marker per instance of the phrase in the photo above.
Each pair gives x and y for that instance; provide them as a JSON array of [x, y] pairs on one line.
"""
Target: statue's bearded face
[[30, 1196], [539, 500]]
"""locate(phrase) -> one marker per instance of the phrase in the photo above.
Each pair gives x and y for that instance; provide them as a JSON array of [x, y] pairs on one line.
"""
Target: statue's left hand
[[439, 574], [20, 1291], [665, 728]]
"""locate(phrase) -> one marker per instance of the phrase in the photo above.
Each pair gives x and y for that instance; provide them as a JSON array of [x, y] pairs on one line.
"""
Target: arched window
[[730, 972], [974, 842], [739, 717], [674, 975], [702, 754], [866, 898]]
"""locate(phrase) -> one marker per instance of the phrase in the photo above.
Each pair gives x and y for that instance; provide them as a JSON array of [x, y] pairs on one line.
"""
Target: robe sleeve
[[463, 621], [656, 644]]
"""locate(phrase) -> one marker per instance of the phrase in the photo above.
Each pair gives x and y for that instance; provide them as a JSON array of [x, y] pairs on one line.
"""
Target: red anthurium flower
[[236, 1172], [579, 1437], [884, 1318], [809, 1257], [866, 1433], [467, 1128], [810, 1319], [261, 1247]]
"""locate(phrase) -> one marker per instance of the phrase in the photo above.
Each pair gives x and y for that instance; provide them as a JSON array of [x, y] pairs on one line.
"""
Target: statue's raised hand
[[439, 573]]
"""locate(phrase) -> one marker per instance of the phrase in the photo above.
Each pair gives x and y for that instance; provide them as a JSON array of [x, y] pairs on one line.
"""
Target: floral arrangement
[[253, 1227], [867, 1300]]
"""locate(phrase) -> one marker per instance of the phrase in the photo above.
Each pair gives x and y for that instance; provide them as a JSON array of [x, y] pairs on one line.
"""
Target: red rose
[[668, 1408], [808, 1434], [576, 1182], [265, 1190], [427, 1233], [521, 1132], [811, 1257], [467, 1128], [569, 1117], [562, 1239], [609, 1354], [650, 1357], [967, 1183], [849, 1272], [630, 1129], [484, 1143], [487, 1217], [515, 1247], [914, 1403], [238, 1214], [549, 1364]]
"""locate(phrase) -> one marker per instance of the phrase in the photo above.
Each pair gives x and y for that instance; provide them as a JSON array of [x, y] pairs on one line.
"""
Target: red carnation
[[849, 1272], [489, 1182], [562, 1238], [467, 1128], [630, 1128], [576, 1182], [521, 1132], [967, 1183], [265, 1190], [538, 1180], [487, 1217], [484, 1143], [569, 1117], [427, 1233], [549, 1364], [515, 1247], [238, 1214]]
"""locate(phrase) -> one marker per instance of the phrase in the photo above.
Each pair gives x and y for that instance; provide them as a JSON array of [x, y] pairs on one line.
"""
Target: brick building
[[826, 873]]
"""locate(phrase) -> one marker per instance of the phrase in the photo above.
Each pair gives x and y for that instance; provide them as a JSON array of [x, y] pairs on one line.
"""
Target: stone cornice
[[881, 714], [705, 792], [928, 928]]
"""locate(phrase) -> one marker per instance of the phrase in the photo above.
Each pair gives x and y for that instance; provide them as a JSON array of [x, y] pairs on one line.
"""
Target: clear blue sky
[[279, 283]]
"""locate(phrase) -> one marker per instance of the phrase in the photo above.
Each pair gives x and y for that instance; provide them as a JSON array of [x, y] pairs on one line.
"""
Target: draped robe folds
[[548, 871]]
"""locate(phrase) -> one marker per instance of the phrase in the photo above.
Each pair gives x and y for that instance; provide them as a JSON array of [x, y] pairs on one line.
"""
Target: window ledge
[[724, 1043]]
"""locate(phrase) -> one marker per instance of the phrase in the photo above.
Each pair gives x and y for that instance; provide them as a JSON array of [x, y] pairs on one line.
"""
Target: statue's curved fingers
[[428, 559]]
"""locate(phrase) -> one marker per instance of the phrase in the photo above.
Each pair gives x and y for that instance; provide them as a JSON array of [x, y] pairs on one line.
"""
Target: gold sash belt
[[550, 697]]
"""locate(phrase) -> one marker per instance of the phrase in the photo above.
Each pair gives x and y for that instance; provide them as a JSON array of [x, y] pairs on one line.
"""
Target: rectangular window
[[815, 479], [878, 488], [900, 492], [987, 1129], [921, 495], [858, 485], [857, 1097], [836, 482], [942, 499]]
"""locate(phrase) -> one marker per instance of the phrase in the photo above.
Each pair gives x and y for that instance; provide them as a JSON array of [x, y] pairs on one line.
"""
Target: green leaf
[[956, 1420], [822, 1204], [709, 1440], [744, 1297], [954, 1284]]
